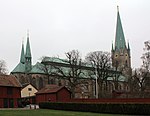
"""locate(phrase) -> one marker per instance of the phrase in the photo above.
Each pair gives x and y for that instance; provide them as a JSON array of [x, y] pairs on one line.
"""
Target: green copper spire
[[120, 39], [28, 51], [28, 57], [22, 58]]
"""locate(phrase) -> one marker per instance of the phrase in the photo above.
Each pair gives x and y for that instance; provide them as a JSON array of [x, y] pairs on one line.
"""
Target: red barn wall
[[1, 103], [51, 97], [16, 94], [40, 98], [63, 95], [46, 97]]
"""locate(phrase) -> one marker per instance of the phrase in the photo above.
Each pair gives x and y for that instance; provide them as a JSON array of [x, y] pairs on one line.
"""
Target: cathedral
[[25, 72]]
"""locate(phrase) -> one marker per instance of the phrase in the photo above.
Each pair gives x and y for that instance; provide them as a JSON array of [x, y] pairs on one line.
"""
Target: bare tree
[[3, 69], [141, 77], [101, 61], [139, 82], [47, 68], [71, 71], [144, 72], [146, 56]]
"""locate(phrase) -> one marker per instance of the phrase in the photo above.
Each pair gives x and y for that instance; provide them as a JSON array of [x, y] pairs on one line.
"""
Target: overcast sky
[[58, 26]]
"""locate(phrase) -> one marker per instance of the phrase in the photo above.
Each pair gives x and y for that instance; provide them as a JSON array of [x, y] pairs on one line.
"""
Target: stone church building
[[25, 72]]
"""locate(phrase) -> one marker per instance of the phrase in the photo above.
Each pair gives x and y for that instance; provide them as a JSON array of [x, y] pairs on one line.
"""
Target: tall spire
[[28, 51], [28, 57], [22, 58], [120, 39], [121, 58]]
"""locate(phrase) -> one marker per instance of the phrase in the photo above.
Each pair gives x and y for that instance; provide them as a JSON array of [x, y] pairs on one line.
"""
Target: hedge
[[126, 108]]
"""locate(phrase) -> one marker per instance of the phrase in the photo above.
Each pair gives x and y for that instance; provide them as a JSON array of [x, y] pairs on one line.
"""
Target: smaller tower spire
[[22, 58], [117, 8]]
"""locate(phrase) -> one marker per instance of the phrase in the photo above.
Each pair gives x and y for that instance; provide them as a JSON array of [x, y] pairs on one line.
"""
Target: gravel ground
[[31, 106]]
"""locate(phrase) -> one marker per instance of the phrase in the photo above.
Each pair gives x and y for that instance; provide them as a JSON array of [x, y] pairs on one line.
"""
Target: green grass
[[44, 112]]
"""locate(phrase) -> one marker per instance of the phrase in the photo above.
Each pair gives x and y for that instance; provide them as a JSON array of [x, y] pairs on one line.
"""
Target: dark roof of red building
[[9, 81], [51, 89]]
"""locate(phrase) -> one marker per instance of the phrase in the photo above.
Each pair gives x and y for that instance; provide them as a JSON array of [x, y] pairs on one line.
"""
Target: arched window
[[34, 81], [40, 82], [126, 63], [120, 87], [59, 83], [51, 81]]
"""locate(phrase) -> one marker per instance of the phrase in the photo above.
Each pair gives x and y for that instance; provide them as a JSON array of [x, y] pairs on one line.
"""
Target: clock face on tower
[[116, 56]]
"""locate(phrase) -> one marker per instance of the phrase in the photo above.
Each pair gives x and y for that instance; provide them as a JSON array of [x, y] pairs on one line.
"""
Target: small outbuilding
[[10, 91], [53, 93], [28, 93]]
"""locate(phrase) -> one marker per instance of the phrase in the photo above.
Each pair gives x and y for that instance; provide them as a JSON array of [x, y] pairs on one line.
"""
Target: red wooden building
[[10, 91], [53, 93]]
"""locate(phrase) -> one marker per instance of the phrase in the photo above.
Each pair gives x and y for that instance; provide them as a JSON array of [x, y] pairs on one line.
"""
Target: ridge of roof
[[26, 84], [50, 89]]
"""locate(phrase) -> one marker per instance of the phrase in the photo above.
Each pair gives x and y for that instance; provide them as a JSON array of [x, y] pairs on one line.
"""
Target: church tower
[[120, 53], [25, 65], [28, 58]]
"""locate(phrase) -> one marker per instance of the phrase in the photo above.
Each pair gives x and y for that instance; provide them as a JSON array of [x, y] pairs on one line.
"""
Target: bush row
[[126, 108]]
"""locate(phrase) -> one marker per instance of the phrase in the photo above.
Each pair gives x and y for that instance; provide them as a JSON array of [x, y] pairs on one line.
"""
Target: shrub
[[125, 108]]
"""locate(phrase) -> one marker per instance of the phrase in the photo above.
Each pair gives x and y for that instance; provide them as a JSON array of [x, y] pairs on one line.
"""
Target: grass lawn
[[44, 112]]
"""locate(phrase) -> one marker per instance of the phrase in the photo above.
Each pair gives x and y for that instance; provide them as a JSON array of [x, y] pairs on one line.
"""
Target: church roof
[[119, 39], [20, 68], [121, 78], [37, 69], [55, 59]]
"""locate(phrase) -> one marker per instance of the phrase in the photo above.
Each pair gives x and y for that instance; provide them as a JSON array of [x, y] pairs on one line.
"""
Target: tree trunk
[[100, 89], [72, 92]]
